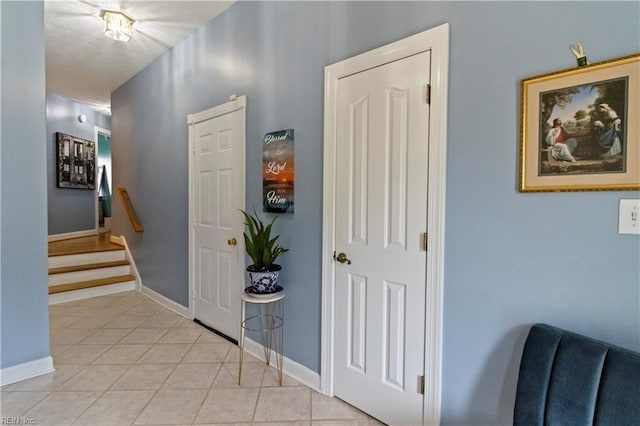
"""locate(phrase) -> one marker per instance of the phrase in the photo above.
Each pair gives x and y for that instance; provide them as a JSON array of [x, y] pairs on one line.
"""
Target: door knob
[[342, 258], [232, 242]]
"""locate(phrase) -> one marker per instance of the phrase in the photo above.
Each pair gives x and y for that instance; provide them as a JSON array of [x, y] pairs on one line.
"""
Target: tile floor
[[123, 359]]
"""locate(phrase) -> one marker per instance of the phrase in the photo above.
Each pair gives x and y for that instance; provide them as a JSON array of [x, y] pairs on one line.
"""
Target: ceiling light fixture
[[117, 25]]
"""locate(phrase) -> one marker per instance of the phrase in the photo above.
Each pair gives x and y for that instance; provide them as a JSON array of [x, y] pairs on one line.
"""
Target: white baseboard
[[85, 293], [297, 371], [132, 264], [69, 235], [26, 370], [166, 302]]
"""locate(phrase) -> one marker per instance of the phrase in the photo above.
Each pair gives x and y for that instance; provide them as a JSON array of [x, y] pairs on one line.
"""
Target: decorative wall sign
[[278, 172], [76, 161], [580, 130]]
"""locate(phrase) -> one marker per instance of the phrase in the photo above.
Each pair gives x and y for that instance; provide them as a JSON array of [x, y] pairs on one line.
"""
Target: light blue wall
[[70, 210], [24, 316], [512, 259]]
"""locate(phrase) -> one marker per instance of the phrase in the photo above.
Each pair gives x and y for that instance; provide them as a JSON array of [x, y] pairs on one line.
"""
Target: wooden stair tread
[[89, 284], [83, 245], [87, 267], [85, 250]]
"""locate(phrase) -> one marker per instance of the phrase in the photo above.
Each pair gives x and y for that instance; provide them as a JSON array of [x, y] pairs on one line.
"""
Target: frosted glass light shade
[[117, 26]]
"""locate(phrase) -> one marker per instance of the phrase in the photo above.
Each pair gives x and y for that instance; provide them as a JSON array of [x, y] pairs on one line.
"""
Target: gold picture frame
[[580, 128]]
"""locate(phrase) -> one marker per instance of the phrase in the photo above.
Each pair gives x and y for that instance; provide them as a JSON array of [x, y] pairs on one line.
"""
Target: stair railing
[[128, 207]]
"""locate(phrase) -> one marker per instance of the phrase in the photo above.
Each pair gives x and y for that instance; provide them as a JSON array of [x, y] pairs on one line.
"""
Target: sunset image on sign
[[278, 172]]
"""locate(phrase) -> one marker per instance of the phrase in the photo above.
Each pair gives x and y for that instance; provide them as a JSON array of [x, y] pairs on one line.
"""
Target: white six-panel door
[[218, 195], [382, 132]]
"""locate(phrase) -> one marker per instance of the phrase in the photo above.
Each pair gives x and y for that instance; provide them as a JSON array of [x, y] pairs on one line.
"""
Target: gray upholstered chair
[[567, 379]]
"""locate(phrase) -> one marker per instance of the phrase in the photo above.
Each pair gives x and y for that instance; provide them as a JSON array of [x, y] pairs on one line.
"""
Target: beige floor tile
[[47, 382], [99, 301], [70, 336], [207, 352], [280, 423], [192, 376], [145, 335], [286, 403], [126, 321], [210, 337], [160, 353], [80, 354], [147, 308], [144, 377], [252, 374], [115, 311], [228, 405], [271, 379], [325, 408], [188, 323], [122, 354], [15, 404], [172, 407], [233, 356], [116, 408], [94, 321], [80, 310], [95, 377], [361, 422], [107, 336], [163, 319], [61, 408], [58, 349], [62, 321], [227, 424], [181, 335]]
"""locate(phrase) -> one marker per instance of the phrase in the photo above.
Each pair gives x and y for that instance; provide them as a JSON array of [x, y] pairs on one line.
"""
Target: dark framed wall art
[[76, 162]]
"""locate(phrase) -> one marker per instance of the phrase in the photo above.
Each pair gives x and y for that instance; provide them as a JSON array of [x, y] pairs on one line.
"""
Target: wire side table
[[269, 321]]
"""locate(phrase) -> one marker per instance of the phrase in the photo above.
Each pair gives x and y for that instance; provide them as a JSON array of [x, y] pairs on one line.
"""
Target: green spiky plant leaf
[[261, 248]]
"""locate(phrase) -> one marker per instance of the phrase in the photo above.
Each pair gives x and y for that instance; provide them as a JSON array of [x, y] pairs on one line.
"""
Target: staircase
[[86, 267]]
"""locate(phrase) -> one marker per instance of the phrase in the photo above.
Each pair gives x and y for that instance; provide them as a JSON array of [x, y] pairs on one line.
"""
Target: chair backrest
[[569, 379]]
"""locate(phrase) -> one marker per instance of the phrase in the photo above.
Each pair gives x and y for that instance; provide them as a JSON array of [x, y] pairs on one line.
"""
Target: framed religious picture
[[580, 128], [76, 162]]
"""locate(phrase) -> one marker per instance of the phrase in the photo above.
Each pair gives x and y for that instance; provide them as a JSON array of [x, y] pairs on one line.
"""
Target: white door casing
[[434, 41], [217, 192], [96, 132]]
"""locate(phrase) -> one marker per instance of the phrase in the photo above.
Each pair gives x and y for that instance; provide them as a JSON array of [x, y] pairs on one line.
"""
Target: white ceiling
[[84, 65]]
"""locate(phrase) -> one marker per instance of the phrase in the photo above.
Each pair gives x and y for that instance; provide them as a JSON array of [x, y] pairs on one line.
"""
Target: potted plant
[[263, 251]]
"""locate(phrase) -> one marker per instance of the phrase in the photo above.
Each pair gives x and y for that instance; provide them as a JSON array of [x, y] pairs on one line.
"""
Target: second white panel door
[[381, 215]]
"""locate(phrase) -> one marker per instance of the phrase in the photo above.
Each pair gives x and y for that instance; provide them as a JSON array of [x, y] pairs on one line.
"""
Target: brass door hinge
[[424, 241], [421, 385], [428, 96]]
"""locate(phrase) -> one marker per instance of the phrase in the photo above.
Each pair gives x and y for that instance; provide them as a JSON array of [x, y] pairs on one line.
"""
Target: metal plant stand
[[269, 321]]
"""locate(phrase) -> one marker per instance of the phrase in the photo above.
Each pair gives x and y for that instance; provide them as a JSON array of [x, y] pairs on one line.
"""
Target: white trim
[[86, 293], [166, 302], [128, 256], [297, 371], [435, 40], [240, 103], [96, 130], [70, 235], [26, 370]]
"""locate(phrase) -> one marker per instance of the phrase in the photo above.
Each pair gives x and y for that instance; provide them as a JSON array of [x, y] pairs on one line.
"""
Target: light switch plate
[[629, 218]]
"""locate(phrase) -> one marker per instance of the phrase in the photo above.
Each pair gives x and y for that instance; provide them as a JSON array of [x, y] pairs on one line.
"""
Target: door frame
[[435, 40], [96, 131], [239, 103]]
